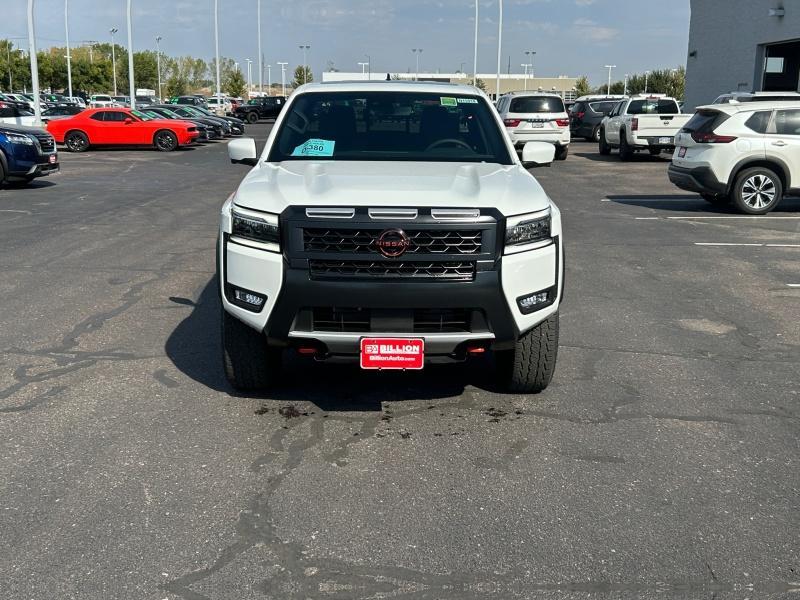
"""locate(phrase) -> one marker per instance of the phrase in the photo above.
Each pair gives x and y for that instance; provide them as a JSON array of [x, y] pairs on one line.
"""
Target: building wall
[[726, 44]]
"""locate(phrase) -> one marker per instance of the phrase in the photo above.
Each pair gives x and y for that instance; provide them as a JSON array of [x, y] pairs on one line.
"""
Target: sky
[[570, 37]]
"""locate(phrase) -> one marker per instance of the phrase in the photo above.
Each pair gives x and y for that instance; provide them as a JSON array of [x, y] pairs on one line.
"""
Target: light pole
[[527, 66], [304, 48], [249, 76], [69, 56], [112, 31], [610, 68], [37, 103], [625, 91], [369, 67], [131, 88], [417, 52], [475, 55], [531, 54], [283, 77], [499, 50], [269, 79], [260, 57], [646, 76], [158, 64], [363, 66], [216, 51]]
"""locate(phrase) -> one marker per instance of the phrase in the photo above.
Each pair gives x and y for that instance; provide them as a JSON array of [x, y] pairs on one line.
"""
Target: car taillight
[[712, 138], [562, 122], [634, 124], [512, 122], [580, 115]]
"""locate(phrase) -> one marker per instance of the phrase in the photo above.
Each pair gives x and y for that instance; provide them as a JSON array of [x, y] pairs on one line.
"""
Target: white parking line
[[793, 285], [789, 218], [762, 245], [783, 245], [647, 218]]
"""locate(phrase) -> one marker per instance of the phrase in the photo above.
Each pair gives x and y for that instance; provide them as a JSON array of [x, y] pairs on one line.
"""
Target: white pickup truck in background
[[646, 122]]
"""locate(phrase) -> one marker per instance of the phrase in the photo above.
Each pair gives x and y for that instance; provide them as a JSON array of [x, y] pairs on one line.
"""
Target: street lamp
[[304, 48], [417, 52], [531, 54], [625, 91], [363, 66], [369, 67], [646, 76], [112, 31], [527, 66], [610, 68], [249, 76], [475, 55], [69, 56], [131, 88], [158, 64], [269, 79], [216, 51], [260, 55], [37, 102], [283, 77], [499, 50]]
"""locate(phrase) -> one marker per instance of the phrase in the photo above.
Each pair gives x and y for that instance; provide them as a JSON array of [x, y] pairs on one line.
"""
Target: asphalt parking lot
[[661, 462]]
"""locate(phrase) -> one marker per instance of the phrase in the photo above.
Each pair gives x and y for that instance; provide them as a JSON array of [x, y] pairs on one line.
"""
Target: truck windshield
[[653, 107], [390, 126]]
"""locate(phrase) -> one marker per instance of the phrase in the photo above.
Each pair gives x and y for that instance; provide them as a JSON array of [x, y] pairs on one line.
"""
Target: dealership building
[[742, 45]]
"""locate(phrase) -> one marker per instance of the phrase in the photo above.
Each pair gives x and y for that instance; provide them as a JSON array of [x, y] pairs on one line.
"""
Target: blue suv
[[26, 153]]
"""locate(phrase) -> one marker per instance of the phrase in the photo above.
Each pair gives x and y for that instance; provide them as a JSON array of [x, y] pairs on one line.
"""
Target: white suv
[[745, 153], [533, 116], [392, 225]]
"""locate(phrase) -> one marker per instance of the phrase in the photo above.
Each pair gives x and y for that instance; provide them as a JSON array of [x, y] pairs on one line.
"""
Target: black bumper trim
[[700, 180]]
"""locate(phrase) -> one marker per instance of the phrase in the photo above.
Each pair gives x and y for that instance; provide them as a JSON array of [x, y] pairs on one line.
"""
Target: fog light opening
[[246, 299], [537, 301]]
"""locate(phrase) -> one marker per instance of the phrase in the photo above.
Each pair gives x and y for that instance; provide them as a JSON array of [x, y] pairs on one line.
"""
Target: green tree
[[582, 86], [480, 84], [302, 75], [234, 84], [176, 85]]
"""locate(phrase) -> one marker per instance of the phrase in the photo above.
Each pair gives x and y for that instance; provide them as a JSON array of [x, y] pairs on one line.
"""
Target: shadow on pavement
[[639, 157], [692, 203], [194, 349]]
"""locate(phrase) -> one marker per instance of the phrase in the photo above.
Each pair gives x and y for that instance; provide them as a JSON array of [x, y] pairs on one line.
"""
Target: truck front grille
[[362, 241], [365, 269]]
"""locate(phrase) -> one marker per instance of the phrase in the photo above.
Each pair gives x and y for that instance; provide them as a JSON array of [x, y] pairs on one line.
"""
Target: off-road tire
[[248, 362], [739, 193], [603, 146], [625, 151], [252, 117], [529, 367]]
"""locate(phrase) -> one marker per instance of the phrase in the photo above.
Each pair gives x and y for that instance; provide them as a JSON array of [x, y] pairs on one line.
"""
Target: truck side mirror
[[243, 151]]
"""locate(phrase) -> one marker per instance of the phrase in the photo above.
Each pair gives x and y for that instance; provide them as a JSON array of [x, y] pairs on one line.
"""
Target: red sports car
[[121, 126]]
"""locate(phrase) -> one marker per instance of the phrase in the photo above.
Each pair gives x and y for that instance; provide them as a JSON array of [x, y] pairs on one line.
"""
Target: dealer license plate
[[665, 140], [392, 353], [52, 159], [681, 152]]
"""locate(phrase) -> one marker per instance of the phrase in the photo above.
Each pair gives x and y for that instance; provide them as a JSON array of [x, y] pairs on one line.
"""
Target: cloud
[[588, 29]]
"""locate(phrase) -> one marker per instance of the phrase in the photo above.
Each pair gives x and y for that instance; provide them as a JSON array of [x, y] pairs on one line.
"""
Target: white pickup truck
[[646, 122]]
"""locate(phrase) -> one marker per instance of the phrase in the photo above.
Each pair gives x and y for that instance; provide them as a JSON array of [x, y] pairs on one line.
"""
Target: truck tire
[[76, 141], [605, 149], [529, 367], [625, 151], [252, 117], [757, 191], [562, 152], [248, 362]]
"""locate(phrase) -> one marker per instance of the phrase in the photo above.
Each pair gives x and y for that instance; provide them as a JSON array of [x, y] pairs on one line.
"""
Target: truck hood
[[272, 187]]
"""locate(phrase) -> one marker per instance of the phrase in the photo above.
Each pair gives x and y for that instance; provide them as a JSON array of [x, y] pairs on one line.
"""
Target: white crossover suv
[[534, 116], [747, 154], [393, 225]]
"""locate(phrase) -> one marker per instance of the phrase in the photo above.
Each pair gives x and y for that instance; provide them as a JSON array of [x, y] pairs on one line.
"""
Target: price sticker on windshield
[[315, 147], [448, 101]]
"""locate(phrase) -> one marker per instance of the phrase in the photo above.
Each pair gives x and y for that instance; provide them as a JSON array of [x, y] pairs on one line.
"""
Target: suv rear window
[[705, 121], [537, 104], [653, 107]]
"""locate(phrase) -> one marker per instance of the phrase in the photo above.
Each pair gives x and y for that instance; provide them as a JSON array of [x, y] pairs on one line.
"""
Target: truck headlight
[[526, 232], [16, 138], [257, 229]]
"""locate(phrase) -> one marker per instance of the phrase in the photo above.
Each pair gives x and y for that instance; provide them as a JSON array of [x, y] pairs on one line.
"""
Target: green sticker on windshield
[[448, 101], [315, 147]]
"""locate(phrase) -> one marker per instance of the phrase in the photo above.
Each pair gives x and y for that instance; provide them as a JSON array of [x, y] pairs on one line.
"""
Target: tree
[[302, 75], [176, 85], [582, 86], [480, 84], [234, 84]]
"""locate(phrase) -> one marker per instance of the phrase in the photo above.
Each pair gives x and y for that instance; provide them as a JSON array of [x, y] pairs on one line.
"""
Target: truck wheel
[[249, 363], [757, 191], [562, 152], [529, 367], [717, 199], [165, 141], [76, 141], [605, 149], [625, 151], [252, 117]]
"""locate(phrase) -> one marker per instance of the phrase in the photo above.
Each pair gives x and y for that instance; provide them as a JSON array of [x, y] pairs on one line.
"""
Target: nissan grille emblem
[[393, 243]]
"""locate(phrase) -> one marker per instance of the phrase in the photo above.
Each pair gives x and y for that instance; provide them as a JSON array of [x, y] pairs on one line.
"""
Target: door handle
[[780, 144]]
